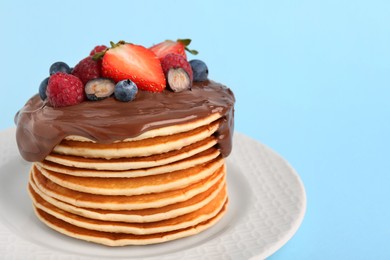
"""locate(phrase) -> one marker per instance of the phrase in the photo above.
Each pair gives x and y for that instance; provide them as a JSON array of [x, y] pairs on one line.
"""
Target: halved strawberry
[[134, 62], [176, 47]]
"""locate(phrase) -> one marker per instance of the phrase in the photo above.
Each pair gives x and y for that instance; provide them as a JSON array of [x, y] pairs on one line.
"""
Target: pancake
[[120, 239], [129, 173], [120, 202], [208, 211], [163, 131], [139, 148], [157, 189], [135, 186], [192, 161], [138, 216], [133, 163]]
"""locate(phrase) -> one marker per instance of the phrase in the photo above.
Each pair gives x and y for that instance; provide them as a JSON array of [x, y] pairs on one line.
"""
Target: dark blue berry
[[100, 88], [43, 87], [125, 90], [16, 118], [200, 70], [59, 66]]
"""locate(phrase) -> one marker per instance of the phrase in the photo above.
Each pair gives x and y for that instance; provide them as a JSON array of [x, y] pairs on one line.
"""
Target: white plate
[[267, 205]]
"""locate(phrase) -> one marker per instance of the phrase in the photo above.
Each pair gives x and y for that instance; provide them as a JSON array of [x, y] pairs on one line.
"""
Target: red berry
[[167, 47], [177, 71], [134, 62], [64, 90], [97, 49], [176, 61], [178, 47], [87, 69]]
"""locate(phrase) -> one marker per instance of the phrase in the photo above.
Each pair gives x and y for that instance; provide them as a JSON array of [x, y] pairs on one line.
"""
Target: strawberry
[[64, 90], [177, 47], [134, 62], [98, 49], [87, 69], [178, 72]]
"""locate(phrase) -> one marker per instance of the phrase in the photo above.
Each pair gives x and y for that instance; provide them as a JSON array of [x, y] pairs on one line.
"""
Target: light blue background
[[311, 79]]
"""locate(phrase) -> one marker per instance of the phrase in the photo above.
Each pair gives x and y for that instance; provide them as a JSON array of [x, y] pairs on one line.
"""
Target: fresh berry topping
[[59, 66], [125, 90], [16, 117], [97, 49], [134, 62], [176, 61], [87, 69], [64, 90], [43, 87], [200, 70], [178, 80], [177, 47], [177, 71], [98, 89]]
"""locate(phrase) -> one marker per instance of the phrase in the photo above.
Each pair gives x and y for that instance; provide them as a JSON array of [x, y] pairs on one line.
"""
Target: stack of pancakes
[[165, 184]]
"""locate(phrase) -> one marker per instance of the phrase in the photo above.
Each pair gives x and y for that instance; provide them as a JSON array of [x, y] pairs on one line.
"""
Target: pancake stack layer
[[165, 184]]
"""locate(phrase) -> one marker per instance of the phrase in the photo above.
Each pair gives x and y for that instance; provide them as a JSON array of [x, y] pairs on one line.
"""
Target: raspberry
[[178, 72], [97, 49], [87, 69], [176, 61], [64, 90]]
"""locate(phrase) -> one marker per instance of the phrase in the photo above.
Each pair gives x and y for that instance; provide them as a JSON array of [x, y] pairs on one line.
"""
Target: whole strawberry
[[178, 72], [98, 49], [87, 69], [64, 90], [180, 46]]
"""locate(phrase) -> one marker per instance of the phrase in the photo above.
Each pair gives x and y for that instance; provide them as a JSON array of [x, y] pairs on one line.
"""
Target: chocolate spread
[[41, 127]]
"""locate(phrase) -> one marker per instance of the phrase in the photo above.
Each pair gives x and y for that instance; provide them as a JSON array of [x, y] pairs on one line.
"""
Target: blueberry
[[125, 90], [200, 70], [16, 118], [59, 66], [43, 87], [100, 88]]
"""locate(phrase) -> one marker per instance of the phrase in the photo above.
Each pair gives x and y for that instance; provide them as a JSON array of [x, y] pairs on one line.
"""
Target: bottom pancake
[[137, 216], [136, 202], [190, 219], [121, 239]]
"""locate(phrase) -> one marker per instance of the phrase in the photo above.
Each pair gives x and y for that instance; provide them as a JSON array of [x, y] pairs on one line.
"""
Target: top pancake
[[119, 169], [139, 148], [163, 131], [121, 164]]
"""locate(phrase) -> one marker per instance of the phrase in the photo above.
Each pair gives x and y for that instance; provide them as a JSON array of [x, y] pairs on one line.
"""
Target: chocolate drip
[[41, 127]]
